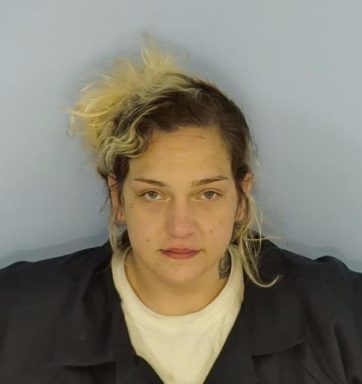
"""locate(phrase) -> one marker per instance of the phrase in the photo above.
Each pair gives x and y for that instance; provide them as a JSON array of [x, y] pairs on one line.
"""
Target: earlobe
[[240, 212]]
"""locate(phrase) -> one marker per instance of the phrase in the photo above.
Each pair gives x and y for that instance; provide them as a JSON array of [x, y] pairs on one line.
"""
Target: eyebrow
[[194, 183]]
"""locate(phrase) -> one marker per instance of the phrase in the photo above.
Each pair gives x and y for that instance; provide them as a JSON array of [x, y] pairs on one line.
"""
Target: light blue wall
[[295, 68]]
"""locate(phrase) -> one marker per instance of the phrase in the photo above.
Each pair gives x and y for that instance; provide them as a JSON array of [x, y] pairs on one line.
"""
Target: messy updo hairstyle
[[117, 115]]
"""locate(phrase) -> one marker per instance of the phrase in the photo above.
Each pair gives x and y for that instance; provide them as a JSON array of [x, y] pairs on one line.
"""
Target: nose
[[180, 221]]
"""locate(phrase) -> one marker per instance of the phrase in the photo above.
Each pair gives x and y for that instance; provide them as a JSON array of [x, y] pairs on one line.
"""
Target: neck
[[178, 298]]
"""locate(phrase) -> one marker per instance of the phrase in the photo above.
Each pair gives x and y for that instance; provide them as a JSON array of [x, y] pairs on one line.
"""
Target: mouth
[[179, 253]]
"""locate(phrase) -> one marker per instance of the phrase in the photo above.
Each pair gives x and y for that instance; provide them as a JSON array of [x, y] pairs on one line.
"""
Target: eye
[[151, 194], [210, 194]]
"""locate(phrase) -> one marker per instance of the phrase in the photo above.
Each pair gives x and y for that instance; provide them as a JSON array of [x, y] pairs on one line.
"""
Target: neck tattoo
[[225, 265]]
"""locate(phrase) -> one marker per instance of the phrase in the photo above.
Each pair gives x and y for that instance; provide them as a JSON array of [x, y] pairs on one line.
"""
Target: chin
[[179, 275]]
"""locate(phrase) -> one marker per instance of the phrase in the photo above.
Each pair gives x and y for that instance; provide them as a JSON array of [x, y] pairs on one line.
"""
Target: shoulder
[[327, 297], [40, 299], [319, 272], [329, 291], [35, 282]]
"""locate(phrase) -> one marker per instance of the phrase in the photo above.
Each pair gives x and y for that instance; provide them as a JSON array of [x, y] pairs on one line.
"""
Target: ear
[[116, 205], [245, 185]]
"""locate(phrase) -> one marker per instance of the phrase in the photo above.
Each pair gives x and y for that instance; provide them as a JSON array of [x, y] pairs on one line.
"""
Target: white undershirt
[[181, 349]]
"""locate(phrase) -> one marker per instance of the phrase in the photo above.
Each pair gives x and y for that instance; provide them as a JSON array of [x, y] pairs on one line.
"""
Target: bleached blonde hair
[[117, 114]]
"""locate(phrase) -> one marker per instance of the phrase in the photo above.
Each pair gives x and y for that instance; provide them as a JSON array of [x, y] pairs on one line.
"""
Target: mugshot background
[[294, 67]]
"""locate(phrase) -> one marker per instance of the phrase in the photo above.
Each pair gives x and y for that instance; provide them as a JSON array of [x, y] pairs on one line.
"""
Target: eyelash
[[216, 193], [144, 193]]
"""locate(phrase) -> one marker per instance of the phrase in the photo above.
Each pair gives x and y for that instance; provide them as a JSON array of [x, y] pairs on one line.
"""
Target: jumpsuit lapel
[[234, 365], [270, 321], [93, 333]]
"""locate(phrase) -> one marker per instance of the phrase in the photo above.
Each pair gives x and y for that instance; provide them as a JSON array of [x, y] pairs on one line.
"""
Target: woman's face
[[180, 193]]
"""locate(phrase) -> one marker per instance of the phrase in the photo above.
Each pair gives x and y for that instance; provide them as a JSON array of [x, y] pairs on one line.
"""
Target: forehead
[[190, 147]]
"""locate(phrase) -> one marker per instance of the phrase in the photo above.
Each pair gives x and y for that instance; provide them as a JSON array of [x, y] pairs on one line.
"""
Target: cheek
[[220, 229], [142, 231]]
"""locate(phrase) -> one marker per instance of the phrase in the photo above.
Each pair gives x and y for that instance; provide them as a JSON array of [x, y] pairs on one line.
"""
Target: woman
[[189, 291]]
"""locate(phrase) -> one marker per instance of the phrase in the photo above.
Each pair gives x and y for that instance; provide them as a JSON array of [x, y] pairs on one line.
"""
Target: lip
[[180, 250], [179, 253]]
